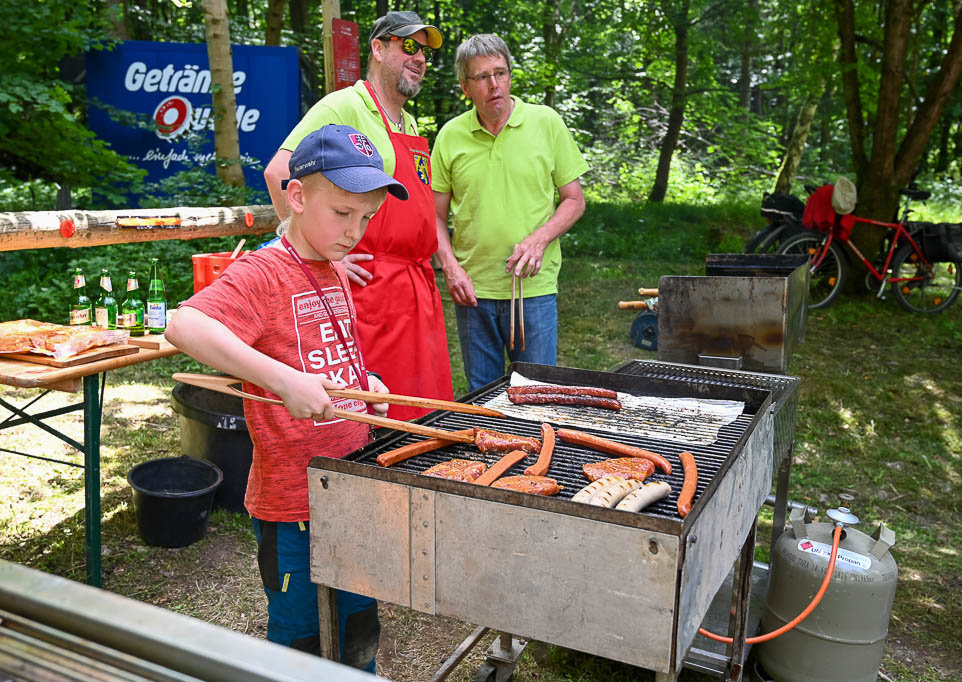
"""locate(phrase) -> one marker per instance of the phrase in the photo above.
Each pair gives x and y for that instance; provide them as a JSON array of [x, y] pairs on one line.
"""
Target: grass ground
[[880, 416]]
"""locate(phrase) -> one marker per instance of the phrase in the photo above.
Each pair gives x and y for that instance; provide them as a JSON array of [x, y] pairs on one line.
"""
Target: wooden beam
[[329, 10], [43, 229]]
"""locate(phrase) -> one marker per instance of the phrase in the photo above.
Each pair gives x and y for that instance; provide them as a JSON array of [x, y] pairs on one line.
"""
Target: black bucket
[[173, 498], [213, 428]]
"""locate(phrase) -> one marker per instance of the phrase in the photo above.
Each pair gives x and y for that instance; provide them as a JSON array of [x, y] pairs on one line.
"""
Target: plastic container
[[173, 499], [213, 428], [210, 266]]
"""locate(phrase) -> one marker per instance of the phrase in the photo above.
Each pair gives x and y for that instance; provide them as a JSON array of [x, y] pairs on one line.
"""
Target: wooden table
[[72, 379]]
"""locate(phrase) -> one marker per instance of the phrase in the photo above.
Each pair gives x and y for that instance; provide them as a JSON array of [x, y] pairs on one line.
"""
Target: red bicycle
[[920, 262]]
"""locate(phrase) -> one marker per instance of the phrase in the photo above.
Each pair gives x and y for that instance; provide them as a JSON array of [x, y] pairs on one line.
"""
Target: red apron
[[400, 317]]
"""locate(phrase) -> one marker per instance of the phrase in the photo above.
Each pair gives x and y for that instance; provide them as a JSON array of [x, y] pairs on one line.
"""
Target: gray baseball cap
[[404, 24]]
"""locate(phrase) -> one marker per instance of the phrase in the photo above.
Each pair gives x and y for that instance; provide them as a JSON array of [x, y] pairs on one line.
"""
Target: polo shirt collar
[[514, 120]]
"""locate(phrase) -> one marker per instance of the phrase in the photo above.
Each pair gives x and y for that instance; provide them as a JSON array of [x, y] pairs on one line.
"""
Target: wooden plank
[[32, 375], [151, 341], [42, 229], [92, 355]]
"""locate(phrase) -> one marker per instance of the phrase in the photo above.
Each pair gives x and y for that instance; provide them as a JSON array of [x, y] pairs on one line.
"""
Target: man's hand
[[460, 285], [305, 397], [527, 256], [377, 386], [355, 272]]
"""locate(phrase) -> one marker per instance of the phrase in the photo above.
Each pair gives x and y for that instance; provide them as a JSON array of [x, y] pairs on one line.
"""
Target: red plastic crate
[[210, 266]]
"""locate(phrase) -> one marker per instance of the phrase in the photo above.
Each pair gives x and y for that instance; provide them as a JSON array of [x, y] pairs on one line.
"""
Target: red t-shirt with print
[[268, 302]]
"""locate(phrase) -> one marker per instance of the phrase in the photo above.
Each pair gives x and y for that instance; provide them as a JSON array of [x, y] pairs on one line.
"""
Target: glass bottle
[[105, 309], [156, 301], [81, 310], [131, 315]]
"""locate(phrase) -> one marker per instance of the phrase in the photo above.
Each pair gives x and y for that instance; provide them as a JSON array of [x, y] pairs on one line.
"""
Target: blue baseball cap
[[344, 156]]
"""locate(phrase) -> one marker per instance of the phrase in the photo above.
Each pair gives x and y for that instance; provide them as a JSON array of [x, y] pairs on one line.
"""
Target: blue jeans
[[485, 332], [284, 558]]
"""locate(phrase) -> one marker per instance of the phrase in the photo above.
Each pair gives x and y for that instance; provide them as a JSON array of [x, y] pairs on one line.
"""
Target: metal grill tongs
[[230, 386]]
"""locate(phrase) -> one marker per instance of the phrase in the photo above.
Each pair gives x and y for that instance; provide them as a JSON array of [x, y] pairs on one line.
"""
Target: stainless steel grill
[[631, 587]]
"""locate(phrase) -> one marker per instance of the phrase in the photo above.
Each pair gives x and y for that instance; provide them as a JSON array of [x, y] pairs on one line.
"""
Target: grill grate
[[566, 464]]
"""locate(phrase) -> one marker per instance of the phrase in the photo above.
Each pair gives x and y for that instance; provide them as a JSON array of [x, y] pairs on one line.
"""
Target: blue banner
[[169, 84]]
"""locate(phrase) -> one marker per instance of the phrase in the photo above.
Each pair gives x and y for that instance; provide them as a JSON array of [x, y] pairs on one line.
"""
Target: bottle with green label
[[156, 301], [105, 309], [131, 315], [81, 310]]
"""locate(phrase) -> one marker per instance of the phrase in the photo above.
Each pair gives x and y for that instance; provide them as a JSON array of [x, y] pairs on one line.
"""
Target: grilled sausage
[[495, 441], [690, 485], [567, 390], [501, 466], [533, 485], [611, 495], [392, 457], [584, 495], [564, 399], [647, 494], [612, 447], [540, 468], [466, 470]]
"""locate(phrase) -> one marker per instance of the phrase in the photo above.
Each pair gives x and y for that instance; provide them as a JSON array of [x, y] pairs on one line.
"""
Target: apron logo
[[422, 164], [362, 144]]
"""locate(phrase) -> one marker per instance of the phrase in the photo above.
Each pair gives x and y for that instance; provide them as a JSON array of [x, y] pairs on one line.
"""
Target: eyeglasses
[[410, 46], [499, 75]]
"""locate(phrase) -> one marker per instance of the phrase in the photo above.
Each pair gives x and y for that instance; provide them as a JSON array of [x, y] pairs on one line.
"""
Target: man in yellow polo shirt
[[497, 169]]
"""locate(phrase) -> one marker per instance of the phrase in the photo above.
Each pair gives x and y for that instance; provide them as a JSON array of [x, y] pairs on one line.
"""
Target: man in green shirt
[[497, 169]]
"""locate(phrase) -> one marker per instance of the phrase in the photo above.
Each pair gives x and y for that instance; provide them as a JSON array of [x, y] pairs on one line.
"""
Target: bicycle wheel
[[764, 235], [921, 289], [828, 277]]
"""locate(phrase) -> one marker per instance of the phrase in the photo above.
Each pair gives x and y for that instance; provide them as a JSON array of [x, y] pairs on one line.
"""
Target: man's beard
[[407, 88]]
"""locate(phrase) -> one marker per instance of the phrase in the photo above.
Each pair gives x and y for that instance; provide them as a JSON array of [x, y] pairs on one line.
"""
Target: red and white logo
[[172, 117], [362, 144]]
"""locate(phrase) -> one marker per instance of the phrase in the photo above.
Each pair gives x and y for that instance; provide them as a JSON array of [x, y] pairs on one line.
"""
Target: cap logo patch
[[422, 164], [362, 144]]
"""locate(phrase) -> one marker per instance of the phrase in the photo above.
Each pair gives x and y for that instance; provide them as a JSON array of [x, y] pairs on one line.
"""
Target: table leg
[[92, 416], [327, 615]]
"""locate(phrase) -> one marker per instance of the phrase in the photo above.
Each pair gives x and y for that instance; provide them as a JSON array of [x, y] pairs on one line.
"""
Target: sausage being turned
[[566, 390], [494, 441], [564, 399]]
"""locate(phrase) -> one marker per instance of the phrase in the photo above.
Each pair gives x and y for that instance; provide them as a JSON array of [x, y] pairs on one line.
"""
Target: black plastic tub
[[173, 498], [213, 428]]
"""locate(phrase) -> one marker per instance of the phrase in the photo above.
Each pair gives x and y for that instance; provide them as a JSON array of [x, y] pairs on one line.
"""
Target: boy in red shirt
[[282, 319]]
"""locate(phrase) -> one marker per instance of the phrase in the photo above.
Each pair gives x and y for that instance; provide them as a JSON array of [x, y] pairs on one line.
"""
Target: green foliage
[[662, 231], [42, 131], [39, 281]]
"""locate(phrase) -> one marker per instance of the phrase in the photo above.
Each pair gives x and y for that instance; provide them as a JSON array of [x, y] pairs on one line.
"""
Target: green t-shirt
[[355, 107], [504, 188]]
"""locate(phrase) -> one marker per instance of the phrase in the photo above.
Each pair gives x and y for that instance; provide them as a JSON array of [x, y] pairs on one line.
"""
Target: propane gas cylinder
[[843, 638]]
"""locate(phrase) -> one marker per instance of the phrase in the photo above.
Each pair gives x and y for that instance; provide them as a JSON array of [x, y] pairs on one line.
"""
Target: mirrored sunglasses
[[410, 47]]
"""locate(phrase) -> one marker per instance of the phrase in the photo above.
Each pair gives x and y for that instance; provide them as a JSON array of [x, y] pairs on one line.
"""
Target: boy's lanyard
[[361, 377]]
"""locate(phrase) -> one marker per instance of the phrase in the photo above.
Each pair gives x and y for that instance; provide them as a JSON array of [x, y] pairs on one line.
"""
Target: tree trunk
[[226, 144], [796, 144], [552, 32], [382, 7], [745, 66], [300, 11], [676, 115], [244, 10], [892, 163], [274, 22], [117, 12]]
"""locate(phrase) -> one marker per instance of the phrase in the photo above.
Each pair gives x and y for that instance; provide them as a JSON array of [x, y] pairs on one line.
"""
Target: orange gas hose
[[836, 538]]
